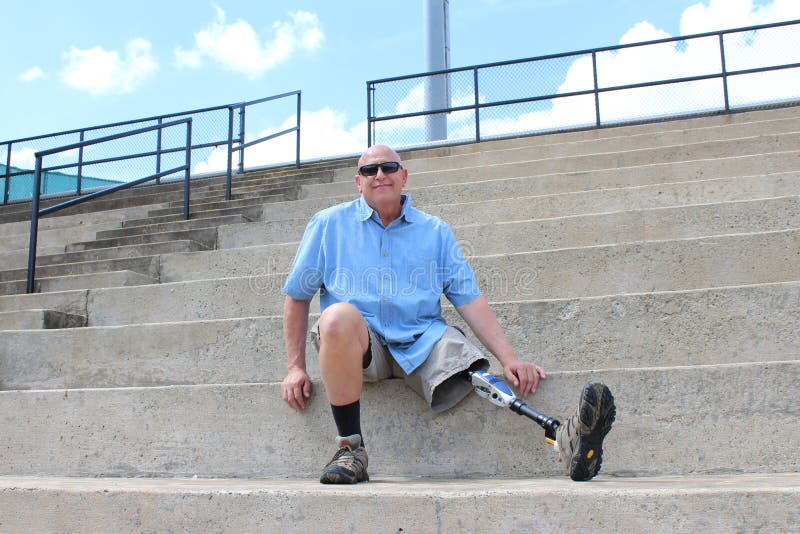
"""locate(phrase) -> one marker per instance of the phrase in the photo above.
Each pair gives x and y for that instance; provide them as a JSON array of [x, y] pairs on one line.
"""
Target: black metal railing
[[216, 128], [705, 73], [36, 213]]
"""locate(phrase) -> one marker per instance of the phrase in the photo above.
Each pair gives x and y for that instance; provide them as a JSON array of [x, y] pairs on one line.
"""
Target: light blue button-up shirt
[[395, 275]]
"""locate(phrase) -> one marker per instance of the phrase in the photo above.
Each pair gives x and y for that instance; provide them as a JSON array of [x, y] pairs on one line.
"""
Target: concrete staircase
[[140, 387]]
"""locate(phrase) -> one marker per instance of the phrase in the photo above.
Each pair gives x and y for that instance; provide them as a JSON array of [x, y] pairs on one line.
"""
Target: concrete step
[[286, 222], [718, 503], [53, 238], [190, 224], [711, 125], [207, 237], [705, 262], [738, 186], [696, 220], [62, 223], [736, 133], [147, 265], [682, 264], [201, 207], [702, 412], [714, 150], [120, 252], [252, 212], [79, 281], [39, 319], [700, 327], [94, 255]]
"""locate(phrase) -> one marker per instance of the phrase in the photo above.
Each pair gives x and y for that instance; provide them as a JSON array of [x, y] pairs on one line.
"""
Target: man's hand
[[524, 375], [296, 388]]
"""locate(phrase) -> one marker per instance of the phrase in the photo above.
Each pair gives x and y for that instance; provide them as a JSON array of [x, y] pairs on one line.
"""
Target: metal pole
[[37, 181], [596, 91], [477, 109], [187, 172], [370, 90], [230, 154], [241, 138], [724, 73], [7, 186], [297, 154], [79, 185], [158, 150], [437, 57]]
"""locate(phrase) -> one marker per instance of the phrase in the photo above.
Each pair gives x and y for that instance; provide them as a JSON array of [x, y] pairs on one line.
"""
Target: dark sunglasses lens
[[372, 169], [368, 170], [389, 167]]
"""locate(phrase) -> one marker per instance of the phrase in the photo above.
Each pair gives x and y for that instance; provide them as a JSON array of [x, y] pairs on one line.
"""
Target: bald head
[[380, 153]]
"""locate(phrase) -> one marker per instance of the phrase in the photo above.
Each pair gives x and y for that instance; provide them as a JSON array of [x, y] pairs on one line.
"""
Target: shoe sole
[[597, 411], [340, 475]]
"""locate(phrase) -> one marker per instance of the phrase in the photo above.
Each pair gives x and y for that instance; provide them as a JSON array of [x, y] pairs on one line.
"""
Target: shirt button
[[385, 254], [385, 324]]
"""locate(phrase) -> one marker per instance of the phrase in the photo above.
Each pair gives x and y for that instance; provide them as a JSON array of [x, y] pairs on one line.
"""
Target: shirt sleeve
[[459, 284], [307, 274]]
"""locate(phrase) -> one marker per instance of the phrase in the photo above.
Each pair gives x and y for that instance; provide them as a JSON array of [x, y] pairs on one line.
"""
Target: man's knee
[[342, 322]]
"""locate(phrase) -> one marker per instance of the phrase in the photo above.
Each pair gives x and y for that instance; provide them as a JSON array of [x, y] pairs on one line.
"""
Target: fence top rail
[[107, 138], [587, 51], [147, 119]]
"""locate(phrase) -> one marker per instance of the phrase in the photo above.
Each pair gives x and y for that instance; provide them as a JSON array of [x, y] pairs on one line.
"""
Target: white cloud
[[100, 71], [23, 158], [32, 74], [323, 133], [238, 47]]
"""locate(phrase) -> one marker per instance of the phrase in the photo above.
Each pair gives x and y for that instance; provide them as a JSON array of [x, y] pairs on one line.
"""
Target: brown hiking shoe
[[580, 439], [349, 464]]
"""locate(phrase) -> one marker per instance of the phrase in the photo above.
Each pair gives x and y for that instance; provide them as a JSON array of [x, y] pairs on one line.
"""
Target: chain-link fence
[[724, 71], [220, 143]]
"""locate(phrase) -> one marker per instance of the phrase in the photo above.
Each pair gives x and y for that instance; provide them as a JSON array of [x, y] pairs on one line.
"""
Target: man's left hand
[[524, 375]]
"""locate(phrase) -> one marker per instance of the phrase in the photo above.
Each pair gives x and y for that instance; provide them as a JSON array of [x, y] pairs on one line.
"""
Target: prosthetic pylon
[[497, 392]]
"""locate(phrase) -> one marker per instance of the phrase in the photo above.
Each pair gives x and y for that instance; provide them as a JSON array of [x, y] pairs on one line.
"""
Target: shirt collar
[[408, 212]]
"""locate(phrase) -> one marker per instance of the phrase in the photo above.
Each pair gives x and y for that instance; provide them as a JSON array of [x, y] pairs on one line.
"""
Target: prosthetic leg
[[497, 392]]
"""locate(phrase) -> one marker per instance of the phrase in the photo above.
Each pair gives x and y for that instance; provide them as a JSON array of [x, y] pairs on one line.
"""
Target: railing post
[[79, 185], [37, 180], [187, 172], [477, 102], [230, 154], [241, 138], [370, 89], [7, 186], [596, 90], [724, 73], [158, 149], [297, 153]]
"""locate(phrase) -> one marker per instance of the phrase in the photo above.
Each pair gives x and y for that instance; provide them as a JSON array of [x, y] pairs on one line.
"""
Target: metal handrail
[[234, 142], [724, 74], [36, 213]]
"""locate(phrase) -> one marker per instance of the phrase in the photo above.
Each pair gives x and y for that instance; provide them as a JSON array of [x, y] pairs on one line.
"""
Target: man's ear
[[358, 182]]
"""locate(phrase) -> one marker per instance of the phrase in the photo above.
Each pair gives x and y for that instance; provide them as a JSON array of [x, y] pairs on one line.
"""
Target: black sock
[[348, 419]]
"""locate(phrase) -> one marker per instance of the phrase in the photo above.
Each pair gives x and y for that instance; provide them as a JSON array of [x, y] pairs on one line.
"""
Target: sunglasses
[[387, 167]]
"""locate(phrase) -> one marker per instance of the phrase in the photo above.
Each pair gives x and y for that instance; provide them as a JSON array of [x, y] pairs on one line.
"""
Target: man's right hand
[[296, 388]]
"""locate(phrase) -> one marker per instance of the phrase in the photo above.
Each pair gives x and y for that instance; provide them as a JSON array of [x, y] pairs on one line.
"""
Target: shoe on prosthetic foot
[[580, 439], [349, 464]]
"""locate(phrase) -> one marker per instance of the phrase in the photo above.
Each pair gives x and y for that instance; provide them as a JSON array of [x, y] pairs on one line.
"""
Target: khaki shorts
[[438, 380]]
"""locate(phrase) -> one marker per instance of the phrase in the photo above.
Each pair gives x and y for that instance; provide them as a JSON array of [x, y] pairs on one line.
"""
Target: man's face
[[383, 189]]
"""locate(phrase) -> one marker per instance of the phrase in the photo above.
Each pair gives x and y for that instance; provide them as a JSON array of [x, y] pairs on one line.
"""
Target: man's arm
[[481, 319], [296, 387]]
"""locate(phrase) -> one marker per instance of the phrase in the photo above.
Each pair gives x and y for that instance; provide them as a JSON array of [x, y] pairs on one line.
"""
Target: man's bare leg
[[344, 341]]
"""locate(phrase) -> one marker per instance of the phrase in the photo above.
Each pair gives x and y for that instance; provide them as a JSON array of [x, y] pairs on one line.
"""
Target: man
[[381, 266]]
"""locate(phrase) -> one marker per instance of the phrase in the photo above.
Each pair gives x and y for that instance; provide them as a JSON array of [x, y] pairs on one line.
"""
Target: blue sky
[[86, 62]]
